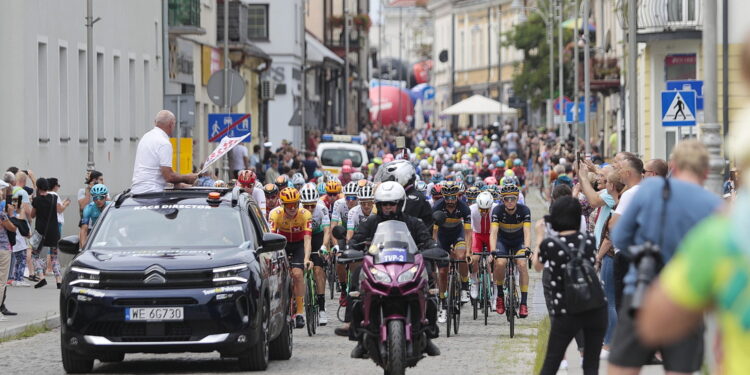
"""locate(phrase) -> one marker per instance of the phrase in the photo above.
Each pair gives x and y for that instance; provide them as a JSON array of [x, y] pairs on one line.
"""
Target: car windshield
[[169, 226], [336, 157], [392, 235]]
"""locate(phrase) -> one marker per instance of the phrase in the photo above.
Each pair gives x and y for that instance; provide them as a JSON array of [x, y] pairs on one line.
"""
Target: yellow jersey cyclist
[[511, 234], [294, 223], [454, 233], [321, 232]]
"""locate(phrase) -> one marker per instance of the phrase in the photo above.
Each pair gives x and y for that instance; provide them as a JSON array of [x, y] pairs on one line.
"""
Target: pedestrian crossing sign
[[678, 108]]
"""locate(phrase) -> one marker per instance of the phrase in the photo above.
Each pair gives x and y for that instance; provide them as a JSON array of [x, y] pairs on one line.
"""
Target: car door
[[272, 270]]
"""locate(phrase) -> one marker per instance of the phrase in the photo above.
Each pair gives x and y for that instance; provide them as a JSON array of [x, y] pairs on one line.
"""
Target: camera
[[648, 262]]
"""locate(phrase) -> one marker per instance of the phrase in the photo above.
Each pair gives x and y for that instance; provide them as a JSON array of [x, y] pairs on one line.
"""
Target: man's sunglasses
[[510, 199], [450, 197], [333, 194], [99, 197], [289, 206], [351, 198]]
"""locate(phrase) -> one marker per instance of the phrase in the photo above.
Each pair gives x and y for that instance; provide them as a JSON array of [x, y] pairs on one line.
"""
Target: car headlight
[[229, 275], [84, 275], [380, 276], [408, 275]]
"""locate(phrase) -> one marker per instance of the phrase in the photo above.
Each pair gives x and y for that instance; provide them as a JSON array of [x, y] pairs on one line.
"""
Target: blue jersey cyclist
[[93, 210], [453, 233], [511, 235]]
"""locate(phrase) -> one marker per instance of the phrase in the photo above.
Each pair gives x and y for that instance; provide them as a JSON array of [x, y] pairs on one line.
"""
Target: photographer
[[648, 232]]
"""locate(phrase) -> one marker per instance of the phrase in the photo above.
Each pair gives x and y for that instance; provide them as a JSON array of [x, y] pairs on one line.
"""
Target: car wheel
[[74, 363], [112, 357], [257, 357], [281, 346]]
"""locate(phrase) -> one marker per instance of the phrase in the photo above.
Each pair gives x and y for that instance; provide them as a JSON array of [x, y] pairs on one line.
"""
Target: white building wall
[[43, 90]]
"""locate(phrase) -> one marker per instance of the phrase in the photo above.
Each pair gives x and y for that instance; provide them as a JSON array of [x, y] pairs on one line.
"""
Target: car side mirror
[[272, 242], [439, 217], [339, 232], [352, 255], [436, 254], [69, 245]]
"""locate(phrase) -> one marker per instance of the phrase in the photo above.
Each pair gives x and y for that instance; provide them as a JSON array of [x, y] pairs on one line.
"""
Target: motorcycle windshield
[[392, 243]]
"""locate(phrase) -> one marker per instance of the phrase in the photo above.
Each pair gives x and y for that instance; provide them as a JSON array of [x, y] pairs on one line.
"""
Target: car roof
[[192, 195]]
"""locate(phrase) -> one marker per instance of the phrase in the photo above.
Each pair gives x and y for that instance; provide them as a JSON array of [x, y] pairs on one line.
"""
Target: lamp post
[[711, 128], [586, 76]]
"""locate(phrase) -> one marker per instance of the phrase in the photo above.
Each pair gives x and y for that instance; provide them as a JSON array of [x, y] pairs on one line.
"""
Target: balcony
[[605, 75], [358, 29], [185, 17], [669, 19]]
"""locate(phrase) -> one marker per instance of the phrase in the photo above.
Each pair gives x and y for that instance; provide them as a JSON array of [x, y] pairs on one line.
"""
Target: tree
[[531, 80]]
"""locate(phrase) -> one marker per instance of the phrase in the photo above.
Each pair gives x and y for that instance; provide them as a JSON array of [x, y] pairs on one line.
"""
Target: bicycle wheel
[[310, 303], [456, 303], [475, 301], [449, 303], [510, 296], [331, 273], [486, 295]]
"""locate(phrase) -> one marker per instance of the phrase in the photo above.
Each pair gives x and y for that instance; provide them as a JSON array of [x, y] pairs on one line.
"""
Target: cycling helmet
[[333, 187], [421, 186], [317, 174], [500, 164], [246, 178], [390, 191], [220, 184], [490, 180], [480, 184], [485, 200], [365, 193], [400, 171], [289, 195], [517, 162], [282, 181], [461, 186], [309, 194], [508, 181], [472, 192], [495, 159], [492, 189], [270, 190], [436, 191], [509, 190], [509, 173], [450, 188], [99, 189], [449, 163], [322, 188], [356, 176], [351, 188], [436, 178], [298, 180], [470, 180]]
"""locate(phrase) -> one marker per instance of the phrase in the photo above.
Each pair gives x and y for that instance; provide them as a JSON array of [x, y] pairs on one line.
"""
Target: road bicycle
[[453, 298], [484, 281], [512, 292], [312, 310]]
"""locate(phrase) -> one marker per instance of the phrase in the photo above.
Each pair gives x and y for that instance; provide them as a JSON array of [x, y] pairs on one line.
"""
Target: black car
[[191, 270]]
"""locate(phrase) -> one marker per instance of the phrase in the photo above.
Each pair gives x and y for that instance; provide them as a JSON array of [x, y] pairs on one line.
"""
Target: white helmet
[[400, 171], [365, 193], [424, 164], [351, 188], [309, 194], [356, 176], [484, 200], [390, 191], [298, 179]]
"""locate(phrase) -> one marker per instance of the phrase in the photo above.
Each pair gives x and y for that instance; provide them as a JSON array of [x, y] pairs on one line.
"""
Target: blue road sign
[[689, 85], [569, 112], [678, 108], [232, 125]]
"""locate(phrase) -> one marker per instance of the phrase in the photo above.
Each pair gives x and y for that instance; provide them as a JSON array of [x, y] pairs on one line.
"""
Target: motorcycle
[[393, 293]]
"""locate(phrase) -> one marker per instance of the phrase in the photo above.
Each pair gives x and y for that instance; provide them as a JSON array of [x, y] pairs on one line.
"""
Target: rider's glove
[[323, 250], [335, 249]]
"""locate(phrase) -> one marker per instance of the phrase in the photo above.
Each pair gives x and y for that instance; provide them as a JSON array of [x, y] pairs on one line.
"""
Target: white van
[[334, 149]]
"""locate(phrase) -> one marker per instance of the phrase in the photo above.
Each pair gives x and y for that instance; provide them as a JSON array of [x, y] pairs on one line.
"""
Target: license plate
[[154, 314], [392, 256]]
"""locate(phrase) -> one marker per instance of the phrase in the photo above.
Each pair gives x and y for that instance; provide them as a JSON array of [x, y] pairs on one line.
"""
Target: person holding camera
[[656, 220]]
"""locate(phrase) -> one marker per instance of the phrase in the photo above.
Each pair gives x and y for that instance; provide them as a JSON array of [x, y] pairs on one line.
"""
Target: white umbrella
[[480, 105], [418, 115]]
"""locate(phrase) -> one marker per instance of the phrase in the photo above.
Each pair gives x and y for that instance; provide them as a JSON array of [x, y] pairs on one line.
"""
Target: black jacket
[[419, 232], [418, 206]]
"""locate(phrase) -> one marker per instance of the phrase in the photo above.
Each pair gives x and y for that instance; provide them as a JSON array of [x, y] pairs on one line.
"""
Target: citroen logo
[[155, 275]]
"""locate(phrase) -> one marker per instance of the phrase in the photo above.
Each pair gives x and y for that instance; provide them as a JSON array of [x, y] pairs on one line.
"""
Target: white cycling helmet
[[485, 200], [309, 194], [400, 171], [351, 188], [365, 193], [298, 179], [356, 176]]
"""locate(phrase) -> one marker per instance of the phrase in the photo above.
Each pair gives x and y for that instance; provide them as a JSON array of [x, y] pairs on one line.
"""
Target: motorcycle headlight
[[408, 275], [380, 276], [84, 275], [229, 275]]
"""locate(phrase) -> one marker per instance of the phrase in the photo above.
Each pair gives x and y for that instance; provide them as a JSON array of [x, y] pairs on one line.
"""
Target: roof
[[195, 195]]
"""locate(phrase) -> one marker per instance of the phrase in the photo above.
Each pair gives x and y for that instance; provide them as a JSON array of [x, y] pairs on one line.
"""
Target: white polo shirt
[[154, 151]]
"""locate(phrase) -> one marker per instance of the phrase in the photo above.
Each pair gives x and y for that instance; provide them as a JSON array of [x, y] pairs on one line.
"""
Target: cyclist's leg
[[443, 268], [477, 242], [459, 253], [319, 270], [500, 264], [296, 253], [523, 272]]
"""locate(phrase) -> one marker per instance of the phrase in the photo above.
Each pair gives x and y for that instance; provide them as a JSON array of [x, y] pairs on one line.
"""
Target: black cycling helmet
[[509, 190], [472, 192], [450, 188], [470, 180], [270, 190]]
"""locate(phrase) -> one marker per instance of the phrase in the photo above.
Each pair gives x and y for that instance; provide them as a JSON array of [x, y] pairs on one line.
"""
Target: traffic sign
[[689, 85], [678, 108], [232, 125], [559, 105], [570, 112], [215, 88]]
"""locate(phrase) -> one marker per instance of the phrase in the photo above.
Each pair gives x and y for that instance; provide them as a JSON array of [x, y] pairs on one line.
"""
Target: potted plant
[[362, 21], [336, 21]]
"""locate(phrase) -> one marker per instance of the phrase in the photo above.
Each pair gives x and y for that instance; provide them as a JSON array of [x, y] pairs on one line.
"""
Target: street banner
[[227, 143]]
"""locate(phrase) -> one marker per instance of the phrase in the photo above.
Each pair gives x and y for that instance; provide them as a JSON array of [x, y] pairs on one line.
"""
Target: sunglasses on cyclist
[[99, 197], [351, 198], [333, 194], [450, 197], [510, 199], [290, 206]]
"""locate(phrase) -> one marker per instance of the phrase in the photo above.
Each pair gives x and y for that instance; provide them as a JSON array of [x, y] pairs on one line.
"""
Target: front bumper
[[93, 320]]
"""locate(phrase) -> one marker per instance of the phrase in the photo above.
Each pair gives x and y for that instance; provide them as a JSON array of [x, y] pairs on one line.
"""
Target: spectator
[[238, 159], [663, 222], [655, 167], [255, 160], [6, 226], [273, 170], [311, 164], [153, 158], [93, 177], [44, 209], [61, 204]]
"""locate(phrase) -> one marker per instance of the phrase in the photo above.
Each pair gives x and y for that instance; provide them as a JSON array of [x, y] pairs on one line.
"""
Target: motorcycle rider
[[390, 199], [404, 173]]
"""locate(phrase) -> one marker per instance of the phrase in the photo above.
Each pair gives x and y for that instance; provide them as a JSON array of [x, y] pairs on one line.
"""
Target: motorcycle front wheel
[[396, 362]]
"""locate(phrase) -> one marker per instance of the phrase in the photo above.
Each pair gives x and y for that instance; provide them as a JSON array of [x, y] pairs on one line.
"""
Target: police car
[[334, 149], [191, 270]]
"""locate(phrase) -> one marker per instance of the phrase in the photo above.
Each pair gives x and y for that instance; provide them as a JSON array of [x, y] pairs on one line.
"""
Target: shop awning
[[317, 53]]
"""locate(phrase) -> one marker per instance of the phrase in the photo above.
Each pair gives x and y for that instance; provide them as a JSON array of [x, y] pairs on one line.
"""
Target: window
[[257, 21], [42, 105], [83, 129], [63, 66], [336, 157], [680, 67], [116, 99], [680, 10], [101, 133], [184, 13]]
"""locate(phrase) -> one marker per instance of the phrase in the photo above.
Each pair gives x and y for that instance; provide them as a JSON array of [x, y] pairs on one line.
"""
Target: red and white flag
[[226, 144]]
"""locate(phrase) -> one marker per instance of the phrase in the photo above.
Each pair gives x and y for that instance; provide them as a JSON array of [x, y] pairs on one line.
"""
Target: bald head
[[166, 121]]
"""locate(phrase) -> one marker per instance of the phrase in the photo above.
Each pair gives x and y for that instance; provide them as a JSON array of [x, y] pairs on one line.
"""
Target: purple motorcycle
[[393, 293]]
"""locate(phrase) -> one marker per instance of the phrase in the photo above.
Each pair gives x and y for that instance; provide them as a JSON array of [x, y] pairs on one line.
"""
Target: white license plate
[[154, 314]]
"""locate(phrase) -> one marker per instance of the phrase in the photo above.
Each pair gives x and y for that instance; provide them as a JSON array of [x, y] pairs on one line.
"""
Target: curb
[[51, 322]]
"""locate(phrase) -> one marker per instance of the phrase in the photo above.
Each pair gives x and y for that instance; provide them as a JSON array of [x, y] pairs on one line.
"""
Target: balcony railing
[[185, 17], [664, 16]]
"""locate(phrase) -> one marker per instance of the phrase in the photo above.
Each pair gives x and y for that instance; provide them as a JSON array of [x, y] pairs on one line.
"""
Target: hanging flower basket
[[337, 21], [362, 21]]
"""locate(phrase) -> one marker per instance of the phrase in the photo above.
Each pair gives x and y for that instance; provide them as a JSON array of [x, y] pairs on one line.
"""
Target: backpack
[[583, 289]]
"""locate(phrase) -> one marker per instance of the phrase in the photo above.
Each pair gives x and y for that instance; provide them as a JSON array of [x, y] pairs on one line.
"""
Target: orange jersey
[[294, 229]]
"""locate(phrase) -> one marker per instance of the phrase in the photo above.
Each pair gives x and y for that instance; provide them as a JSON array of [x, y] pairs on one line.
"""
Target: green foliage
[[542, 337]]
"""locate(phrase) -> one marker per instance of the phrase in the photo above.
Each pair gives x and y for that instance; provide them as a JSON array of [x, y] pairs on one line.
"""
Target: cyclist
[[333, 193], [481, 217], [298, 180], [471, 195], [283, 182], [247, 180], [341, 207], [93, 210], [294, 223], [452, 235], [271, 192], [404, 173], [435, 194], [321, 232], [365, 197], [512, 180], [514, 220]]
